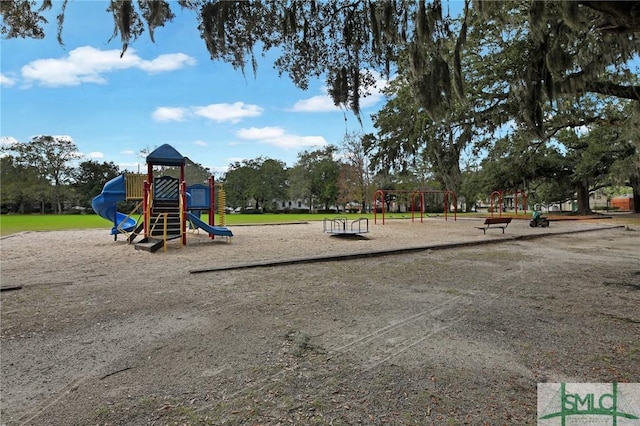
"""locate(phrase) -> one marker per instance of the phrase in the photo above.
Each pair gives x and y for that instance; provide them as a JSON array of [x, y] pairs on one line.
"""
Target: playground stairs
[[149, 244], [160, 209]]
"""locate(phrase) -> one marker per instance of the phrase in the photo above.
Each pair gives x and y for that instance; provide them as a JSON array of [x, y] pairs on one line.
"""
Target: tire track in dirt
[[272, 380], [392, 327], [411, 336], [35, 412]]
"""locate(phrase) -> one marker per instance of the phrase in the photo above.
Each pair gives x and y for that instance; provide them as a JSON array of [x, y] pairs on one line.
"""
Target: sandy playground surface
[[101, 333]]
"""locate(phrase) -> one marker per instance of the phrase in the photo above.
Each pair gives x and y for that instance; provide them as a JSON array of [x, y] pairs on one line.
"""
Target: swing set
[[417, 202]]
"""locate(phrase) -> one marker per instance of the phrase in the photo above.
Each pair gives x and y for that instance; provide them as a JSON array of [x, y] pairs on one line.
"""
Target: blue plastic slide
[[211, 230], [105, 204]]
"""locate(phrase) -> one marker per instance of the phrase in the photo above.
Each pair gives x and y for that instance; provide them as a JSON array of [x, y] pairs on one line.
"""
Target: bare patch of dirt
[[103, 334]]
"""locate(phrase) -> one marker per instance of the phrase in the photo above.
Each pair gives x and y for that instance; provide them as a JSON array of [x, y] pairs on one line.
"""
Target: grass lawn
[[14, 223]]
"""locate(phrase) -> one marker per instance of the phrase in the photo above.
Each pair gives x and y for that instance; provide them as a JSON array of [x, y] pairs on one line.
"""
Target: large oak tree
[[572, 42]]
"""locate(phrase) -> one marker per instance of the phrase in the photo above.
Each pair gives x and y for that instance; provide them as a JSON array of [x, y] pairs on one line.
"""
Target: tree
[[515, 164], [571, 48], [341, 38], [272, 184], [592, 155], [626, 171], [355, 176], [261, 180], [193, 172], [89, 179], [51, 156], [239, 182], [584, 140], [314, 177], [22, 186]]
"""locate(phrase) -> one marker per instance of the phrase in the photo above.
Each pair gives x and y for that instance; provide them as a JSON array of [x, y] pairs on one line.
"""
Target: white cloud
[[7, 140], [200, 143], [220, 113], [324, 103], [127, 152], [319, 103], [132, 167], [88, 65], [6, 81], [170, 114], [219, 169], [95, 154], [168, 62], [232, 113], [236, 159], [276, 136]]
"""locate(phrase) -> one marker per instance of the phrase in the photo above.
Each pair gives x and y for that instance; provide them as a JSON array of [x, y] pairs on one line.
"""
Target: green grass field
[[14, 223]]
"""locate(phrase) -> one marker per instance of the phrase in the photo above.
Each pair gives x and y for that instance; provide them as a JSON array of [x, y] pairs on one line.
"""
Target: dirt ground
[[101, 333]]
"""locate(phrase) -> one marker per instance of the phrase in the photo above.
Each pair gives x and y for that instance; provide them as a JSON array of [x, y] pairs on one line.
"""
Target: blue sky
[[167, 92]]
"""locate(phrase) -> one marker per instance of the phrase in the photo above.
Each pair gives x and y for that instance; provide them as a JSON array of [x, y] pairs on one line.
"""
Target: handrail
[[182, 207], [164, 228], [338, 225], [359, 222], [121, 229]]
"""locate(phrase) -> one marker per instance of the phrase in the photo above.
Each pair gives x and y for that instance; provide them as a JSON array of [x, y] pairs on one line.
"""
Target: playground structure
[[499, 205], [342, 226], [167, 204], [447, 198]]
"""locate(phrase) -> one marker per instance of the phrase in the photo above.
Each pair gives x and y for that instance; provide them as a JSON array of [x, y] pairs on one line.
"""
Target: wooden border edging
[[393, 252]]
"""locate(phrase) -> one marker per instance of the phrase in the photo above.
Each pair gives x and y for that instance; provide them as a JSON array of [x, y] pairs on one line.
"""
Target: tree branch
[[611, 89]]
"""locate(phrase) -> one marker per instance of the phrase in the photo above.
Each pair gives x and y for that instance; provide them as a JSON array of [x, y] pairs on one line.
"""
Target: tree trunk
[[634, 181], [582, 191]]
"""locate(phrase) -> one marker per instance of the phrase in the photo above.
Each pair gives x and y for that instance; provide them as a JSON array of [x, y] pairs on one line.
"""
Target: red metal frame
[[445, 202], [212, 193], [524, 201], [499, 195]]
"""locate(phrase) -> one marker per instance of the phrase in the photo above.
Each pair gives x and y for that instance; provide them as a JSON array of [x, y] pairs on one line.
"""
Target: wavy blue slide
[[105, 204], [211, 230]]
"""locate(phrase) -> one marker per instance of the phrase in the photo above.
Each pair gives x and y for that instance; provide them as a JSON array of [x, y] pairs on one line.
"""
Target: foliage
[[585, 140], [525, 71], [592, 154], [314, 177], [22, 186], [193, 172], [569, 44], [51, 156], [90, 177], [259, 180], [272, 184], [354, 182]]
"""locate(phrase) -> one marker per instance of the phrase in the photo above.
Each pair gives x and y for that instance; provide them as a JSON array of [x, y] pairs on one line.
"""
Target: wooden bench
[[495, 222]]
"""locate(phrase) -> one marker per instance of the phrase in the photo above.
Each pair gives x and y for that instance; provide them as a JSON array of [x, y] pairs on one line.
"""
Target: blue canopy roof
[[165, 155]]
